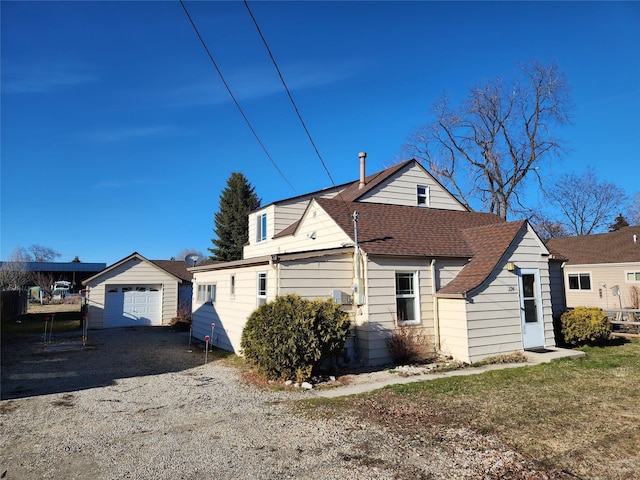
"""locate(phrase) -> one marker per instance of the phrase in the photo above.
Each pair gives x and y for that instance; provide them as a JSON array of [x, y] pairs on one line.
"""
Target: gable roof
[[406, 230], [489, 243], [613, 247], [166, 267]]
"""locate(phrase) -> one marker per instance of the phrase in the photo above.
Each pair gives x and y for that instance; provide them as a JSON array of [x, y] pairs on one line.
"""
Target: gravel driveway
[[137, 404]]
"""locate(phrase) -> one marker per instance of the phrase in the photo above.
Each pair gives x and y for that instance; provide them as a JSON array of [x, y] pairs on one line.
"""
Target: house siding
[[327, 235], [132, 272], [381, 304], [604, 277], [401, 190], [229, 312], [494, 321], [454, 339]]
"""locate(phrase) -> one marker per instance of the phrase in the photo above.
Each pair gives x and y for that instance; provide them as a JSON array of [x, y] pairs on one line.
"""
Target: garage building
[[137, 292]]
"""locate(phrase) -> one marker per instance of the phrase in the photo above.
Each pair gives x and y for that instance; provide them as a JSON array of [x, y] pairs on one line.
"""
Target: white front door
[[531, 308]]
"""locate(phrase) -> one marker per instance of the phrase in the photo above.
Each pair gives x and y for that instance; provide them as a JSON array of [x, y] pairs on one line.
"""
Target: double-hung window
[[206, 293], [407, 308], [579, 281], [632, 277], [262, 288], [423, 196], [261, 227]]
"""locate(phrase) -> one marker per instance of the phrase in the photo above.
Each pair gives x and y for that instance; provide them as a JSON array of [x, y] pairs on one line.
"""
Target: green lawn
[[580, 416], [63, 321]]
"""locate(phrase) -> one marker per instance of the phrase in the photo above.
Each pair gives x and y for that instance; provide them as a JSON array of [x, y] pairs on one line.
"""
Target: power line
[[246, 119], [295, 107]]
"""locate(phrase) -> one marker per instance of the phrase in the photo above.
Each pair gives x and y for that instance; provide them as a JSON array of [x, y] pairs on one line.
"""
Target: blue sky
[[117, 134]]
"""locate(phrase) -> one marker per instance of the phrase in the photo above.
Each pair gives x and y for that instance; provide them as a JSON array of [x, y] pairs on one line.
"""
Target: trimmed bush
[[290, 336], [585, 326]]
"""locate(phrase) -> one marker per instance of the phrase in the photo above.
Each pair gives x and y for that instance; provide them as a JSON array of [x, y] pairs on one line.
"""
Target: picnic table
[[624, 320]]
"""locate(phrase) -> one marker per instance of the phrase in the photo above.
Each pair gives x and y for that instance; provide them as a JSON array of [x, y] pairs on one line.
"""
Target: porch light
[[511, 266]]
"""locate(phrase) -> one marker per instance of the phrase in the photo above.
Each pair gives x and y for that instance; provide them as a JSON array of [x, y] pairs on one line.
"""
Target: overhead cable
[[235, 101]]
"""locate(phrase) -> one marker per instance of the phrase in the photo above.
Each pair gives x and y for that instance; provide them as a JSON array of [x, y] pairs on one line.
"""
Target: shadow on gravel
[[28, 369]]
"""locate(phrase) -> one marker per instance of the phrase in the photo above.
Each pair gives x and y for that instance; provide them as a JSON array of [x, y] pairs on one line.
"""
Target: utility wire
[[295, 107], [195, 29]]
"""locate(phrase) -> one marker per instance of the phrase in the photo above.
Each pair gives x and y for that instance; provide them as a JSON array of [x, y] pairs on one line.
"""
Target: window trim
[[261, 227], [579, 275], [424, 196], [635, 273], [206, 293], [232, 285], [415, 295], [261, 295]]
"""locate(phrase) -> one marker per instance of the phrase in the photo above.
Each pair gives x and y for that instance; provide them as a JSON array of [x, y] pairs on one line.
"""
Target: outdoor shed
[[136, 292]]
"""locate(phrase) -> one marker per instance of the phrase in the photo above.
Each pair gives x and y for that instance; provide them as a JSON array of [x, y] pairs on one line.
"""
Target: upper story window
[[261, 227], [407, 298], [632, 276], [206, 293], [423, 196], [579, 281]]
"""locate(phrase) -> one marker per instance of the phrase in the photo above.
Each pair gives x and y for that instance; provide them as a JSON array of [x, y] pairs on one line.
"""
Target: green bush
[[288, 337], [585, 326]]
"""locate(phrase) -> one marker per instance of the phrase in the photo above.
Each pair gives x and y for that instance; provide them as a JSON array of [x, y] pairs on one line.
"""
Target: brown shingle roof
[[404, 230], [489, 243], [174, 267], [614, 247]]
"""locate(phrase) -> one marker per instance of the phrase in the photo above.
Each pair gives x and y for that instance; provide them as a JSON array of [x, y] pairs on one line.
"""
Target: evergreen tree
[[618, 223], [237, 200]]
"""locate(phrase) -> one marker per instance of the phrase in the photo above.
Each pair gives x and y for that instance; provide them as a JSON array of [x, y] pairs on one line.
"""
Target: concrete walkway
[[368, 382]]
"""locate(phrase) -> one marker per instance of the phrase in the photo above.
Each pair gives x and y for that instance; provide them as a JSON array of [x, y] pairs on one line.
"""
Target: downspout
[[436, 314], [359, 297], [275, 263]]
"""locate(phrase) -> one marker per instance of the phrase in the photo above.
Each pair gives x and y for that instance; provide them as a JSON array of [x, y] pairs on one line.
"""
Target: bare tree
[[39, 253], [587, 204], [486, 147], [547, 228], [14, 273], [633, 210]]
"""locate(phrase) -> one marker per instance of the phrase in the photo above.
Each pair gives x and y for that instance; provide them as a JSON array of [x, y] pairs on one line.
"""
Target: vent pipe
[[362, 156]]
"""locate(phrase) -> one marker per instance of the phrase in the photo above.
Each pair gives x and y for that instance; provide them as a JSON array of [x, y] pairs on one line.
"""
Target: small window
[[406, 298], [579, 281], [262, 288], [113, 290], [633, 276], [261, 227], [423, 196], [206, 293], [126, 289], [233, 285], [141, 289]]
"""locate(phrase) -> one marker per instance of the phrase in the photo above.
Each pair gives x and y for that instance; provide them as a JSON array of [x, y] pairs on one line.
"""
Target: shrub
[[585, 326], [408, 345], [290, 336]]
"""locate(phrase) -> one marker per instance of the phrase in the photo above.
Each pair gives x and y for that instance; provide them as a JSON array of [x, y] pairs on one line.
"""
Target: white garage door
[[132, 305]]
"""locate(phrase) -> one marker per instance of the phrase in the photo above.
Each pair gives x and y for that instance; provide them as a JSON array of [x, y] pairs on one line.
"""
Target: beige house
[[394, 248], [137, 292], [601, 270]]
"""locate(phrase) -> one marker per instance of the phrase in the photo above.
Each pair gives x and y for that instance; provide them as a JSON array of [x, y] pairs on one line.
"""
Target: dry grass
[[580, 417]]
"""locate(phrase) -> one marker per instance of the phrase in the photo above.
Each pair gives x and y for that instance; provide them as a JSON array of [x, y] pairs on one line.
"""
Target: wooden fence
[[13, 303]]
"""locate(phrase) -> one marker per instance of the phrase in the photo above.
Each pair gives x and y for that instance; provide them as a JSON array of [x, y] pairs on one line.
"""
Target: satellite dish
[[193, 259]]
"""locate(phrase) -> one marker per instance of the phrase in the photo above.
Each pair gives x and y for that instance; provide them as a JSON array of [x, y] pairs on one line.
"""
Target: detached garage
[[137, 292]]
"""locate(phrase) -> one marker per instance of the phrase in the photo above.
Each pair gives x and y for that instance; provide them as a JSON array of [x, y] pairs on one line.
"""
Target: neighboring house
[[600, 270], [414, 255], [136, 291]]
